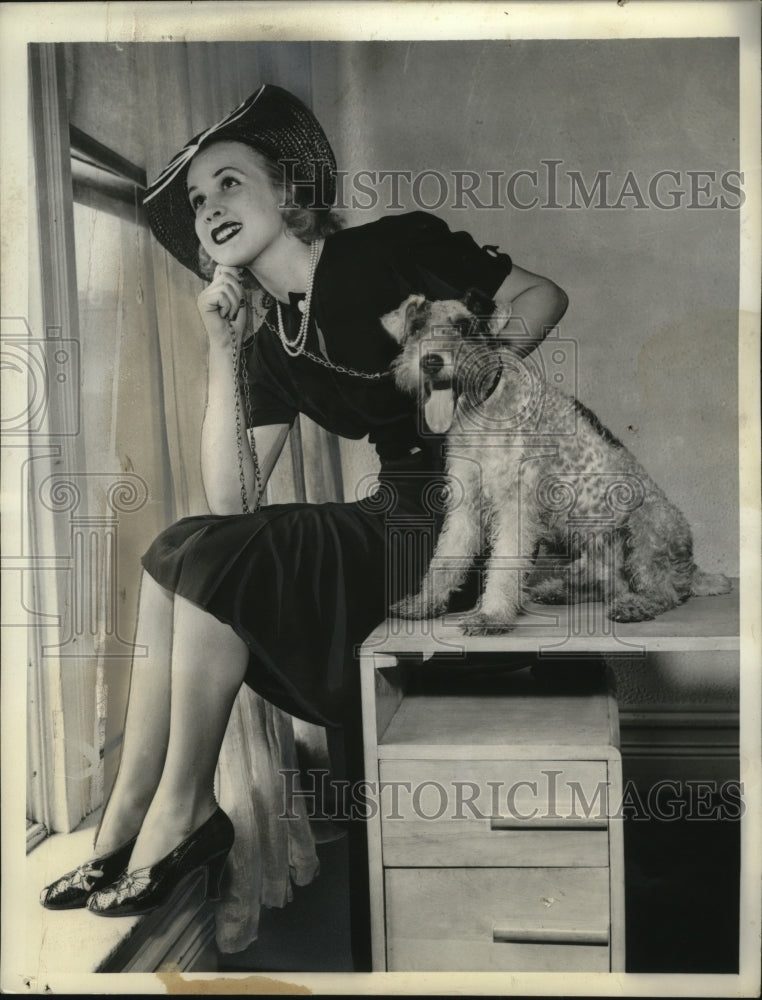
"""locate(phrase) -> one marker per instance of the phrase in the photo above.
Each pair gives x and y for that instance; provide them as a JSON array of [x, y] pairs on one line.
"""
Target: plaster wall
[[653, 291]]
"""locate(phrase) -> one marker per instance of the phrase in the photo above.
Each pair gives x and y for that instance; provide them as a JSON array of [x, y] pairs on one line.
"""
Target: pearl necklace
[[296, 347]]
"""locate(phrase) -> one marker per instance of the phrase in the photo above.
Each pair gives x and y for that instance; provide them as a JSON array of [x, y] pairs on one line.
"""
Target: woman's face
[[234, 203]]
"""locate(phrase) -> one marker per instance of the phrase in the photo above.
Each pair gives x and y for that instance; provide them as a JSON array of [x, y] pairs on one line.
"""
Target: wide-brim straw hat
[[271, 121]]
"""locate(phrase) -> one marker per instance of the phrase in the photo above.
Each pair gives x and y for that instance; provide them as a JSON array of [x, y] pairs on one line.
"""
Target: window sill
[[35, 834], [178, 936]]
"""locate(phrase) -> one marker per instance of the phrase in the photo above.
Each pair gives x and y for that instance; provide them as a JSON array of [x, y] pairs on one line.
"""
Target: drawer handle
[[547, 935], [548, 823]]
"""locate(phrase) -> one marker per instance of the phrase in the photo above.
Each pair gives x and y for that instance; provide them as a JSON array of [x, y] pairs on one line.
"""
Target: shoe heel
[[214, 872]]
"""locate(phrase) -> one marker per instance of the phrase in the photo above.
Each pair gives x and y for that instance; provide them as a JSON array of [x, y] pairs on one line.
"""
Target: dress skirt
[[303, 584]]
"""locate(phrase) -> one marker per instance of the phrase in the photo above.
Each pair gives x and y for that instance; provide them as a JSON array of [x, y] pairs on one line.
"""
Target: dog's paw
[[629, 611], [416, 606], [481, 624], [550, 591]]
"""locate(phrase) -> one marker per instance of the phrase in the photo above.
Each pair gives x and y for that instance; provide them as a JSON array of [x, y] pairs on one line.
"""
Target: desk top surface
[[702, 623]]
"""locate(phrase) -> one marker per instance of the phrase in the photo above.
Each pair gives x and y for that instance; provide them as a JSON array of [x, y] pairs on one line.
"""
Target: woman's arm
[[532, 304], [220, 304], [219, 442]]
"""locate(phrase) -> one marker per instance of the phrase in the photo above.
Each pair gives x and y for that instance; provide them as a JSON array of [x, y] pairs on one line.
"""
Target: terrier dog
[[561, 503]]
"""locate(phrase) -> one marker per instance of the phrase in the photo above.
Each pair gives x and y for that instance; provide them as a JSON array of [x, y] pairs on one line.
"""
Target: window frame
[[63, 700]]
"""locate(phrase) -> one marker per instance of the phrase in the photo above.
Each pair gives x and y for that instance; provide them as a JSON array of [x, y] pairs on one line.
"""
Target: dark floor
[[682, 888], [311, 934], [682, 895]]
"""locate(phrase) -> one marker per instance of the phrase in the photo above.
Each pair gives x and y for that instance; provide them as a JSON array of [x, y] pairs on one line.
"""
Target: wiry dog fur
[[527, 464]]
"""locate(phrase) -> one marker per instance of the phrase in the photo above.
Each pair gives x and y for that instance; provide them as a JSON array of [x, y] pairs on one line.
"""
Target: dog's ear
[[478, 303], [399, 320]]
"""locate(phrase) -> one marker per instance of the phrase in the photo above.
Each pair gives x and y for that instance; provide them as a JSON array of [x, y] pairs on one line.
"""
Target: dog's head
[[445, 351]]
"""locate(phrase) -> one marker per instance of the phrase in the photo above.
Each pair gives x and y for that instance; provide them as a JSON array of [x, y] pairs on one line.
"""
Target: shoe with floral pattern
[[72, 890], [145, 889]]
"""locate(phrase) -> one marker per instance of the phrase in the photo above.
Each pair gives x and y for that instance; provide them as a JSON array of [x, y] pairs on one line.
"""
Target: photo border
[[353, 20]]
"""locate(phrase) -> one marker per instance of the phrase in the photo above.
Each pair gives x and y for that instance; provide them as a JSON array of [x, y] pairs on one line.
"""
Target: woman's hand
[[222, 302]]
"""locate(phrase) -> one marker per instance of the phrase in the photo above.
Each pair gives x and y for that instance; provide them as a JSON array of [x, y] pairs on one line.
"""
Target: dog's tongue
[[439, 410]]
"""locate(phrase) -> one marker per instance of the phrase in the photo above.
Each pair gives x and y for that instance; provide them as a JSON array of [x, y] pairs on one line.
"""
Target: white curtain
[[201, 83], [157, 98]]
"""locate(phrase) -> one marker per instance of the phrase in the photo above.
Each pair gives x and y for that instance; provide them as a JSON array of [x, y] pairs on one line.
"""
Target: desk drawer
[[472, 813], [507, 919]]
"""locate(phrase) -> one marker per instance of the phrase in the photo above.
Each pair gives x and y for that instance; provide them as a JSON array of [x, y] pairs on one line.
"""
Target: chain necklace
[[240, 375], [343, 369], [294, 348]]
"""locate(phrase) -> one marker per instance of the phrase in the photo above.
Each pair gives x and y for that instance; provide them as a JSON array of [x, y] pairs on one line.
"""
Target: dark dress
[[303, 584]]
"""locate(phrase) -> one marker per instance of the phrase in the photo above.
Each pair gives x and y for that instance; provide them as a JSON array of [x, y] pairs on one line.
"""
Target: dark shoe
[[145, 889], [72, 890]]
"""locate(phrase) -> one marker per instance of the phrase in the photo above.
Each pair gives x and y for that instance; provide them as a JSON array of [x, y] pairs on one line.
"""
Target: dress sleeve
[[444, 264], [272, 401]]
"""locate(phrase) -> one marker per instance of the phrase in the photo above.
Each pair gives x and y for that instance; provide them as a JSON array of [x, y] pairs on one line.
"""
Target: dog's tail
[[703, 584]]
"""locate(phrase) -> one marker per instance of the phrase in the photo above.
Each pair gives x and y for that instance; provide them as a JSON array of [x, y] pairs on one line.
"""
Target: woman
[[276, 598]]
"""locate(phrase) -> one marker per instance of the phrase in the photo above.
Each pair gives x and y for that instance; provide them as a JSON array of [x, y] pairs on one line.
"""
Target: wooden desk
[[495, 842]]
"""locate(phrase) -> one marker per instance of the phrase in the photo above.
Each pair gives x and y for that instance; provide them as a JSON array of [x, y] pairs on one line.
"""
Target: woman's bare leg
[[208, 666], [146, 728]]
